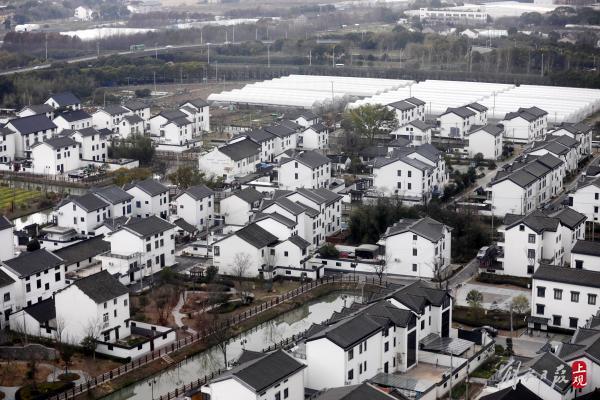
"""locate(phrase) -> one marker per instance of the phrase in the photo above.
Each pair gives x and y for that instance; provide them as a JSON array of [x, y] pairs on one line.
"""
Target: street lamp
[[151, 383]]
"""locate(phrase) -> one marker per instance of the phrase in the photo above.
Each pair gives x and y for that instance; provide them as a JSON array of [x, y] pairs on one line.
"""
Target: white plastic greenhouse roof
[[563, 104], [307, 91]]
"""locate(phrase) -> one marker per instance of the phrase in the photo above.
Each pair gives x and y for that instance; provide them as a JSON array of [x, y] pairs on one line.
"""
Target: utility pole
[[542, 71], [201, 41], [180, 75], [233, 35], [98, 49], [208, 49], [256, 34], [156, 51], [217, 71], [154, 77], [333, 57], [268, 56], [310, 58], [451, 372], [46, 45]]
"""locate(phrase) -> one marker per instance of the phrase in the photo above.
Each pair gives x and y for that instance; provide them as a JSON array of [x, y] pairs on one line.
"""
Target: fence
[[157, 354], [60, 180]]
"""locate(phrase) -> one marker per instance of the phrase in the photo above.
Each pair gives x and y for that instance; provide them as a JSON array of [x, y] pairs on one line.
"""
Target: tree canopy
[[369, 121]]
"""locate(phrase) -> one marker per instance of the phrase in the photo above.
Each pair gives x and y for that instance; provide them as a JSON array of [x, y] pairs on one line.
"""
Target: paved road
[[144, 52], [571, 185]]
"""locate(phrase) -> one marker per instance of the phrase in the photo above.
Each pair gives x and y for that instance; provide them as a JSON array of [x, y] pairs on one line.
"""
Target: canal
[[269, 333]]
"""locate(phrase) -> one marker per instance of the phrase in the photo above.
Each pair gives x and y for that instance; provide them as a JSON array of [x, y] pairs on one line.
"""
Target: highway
[[145, 52]]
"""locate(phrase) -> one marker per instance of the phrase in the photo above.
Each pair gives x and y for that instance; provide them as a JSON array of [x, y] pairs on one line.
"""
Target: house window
[[105, 317], [386, 347], [57, 276], [573, 322], [350, 354], [216, 250], [575, 297], [521, 227], [592, 299], [422, 324], [578, 264], [531, 254], [350, 375], [46, 286], [541, 291], [556, 320], [531, 238], [28, 287], [557, 294], [414, 267], [7, 296], [286, 393], [539, 309], [414, 252]]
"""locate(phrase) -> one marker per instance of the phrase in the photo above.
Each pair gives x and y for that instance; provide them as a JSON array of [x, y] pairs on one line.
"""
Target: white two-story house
[[456, 122], [64, 101], [487, 140], [93, 146], [118, 200], [235, 159], [55, 156], [109, 117], [306, 169], [29, 131], [196, 206], [525, 125], [198, 111], [150, 197], [82, 213], [73, 120]]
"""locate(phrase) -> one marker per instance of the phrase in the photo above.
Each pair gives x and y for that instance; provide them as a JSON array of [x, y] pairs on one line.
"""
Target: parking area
[[494, 296]]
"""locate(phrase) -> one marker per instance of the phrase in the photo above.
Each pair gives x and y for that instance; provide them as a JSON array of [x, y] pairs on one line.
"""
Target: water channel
[[269, 333]]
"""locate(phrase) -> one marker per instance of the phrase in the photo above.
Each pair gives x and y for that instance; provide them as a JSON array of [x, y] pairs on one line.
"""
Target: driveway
[[498, 295]]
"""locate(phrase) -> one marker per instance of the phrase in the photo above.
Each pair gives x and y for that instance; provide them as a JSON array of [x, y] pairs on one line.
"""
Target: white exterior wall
[[564, 307], [93, 147], [488, 145], [27, 291], [126, 129], [589, 262], [145, 205], [101, 119], [293, 175], [402, 261], [7, 147], [195, 212], [326, 365], [71, 215], [176, 135], [45, 159], [235, 210], [218, 164], [63, 124], [7, 238], [227, 250], [78, 320], [587, 201], [387, 178], [451, 120], [522, 131], [416, 136], [233, 389], [508, 197]]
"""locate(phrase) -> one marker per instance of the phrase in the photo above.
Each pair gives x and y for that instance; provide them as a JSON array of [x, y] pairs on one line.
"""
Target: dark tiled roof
[[263, 372], [114, 109], [5, 280], [33, 123], [549, 365], [135, 105], [249, 195], [101, 286], [520, 392], [42, 311], [58, 142], [258, 135], [319, 195], [75, 115], [83, 250], [536, 220], [587, 247], [493, 130], [277, 217], [426, 227], [290, 124], [112, 194], [415, 101], [299, 241], [402, 105], [293, 115], [363, 391], [572, 276], [33, 262], [419, 294], [183, 224], [133, 119], [89, 202], [65, 99], [5, 223], [173, 114], [198, 103], [422, 125], [88, 131], [399, 142], [477, 107], [279, 130], [40, 108], [180, 121], [256, 236], [199, 192], [240, 150], [462, 112], [528, 114], [148, 226], [569, 217], [150, 186], [311, 159]]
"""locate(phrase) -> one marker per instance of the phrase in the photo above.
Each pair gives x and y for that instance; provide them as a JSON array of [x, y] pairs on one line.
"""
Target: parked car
[[482, 252]]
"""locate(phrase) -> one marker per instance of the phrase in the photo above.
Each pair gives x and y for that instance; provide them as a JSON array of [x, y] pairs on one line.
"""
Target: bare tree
[[166, 298], [441, 273], [241, 265], [58, 334], [93, 328], [381, 267]]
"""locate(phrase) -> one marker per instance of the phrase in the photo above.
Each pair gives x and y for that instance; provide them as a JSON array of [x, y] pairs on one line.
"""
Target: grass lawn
[[20, 196]]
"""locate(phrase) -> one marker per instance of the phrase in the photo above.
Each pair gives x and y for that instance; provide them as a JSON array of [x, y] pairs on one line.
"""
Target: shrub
[[329, 251]]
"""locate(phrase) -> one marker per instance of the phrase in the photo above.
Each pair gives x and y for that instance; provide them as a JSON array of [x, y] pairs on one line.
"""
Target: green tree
[[520, 304], [474, 299], [123, 176], [369, 121], [135, 147], [186, 176], [329, 251]]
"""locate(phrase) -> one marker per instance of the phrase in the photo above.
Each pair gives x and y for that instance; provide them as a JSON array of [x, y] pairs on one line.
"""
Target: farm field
[[20, 196]]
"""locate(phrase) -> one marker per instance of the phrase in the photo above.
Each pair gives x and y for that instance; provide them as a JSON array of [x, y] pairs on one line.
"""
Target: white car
[[482, 252]]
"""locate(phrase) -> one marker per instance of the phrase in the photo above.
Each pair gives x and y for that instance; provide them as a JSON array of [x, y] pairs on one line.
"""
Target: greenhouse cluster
[[307, 91], [563, 104]]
